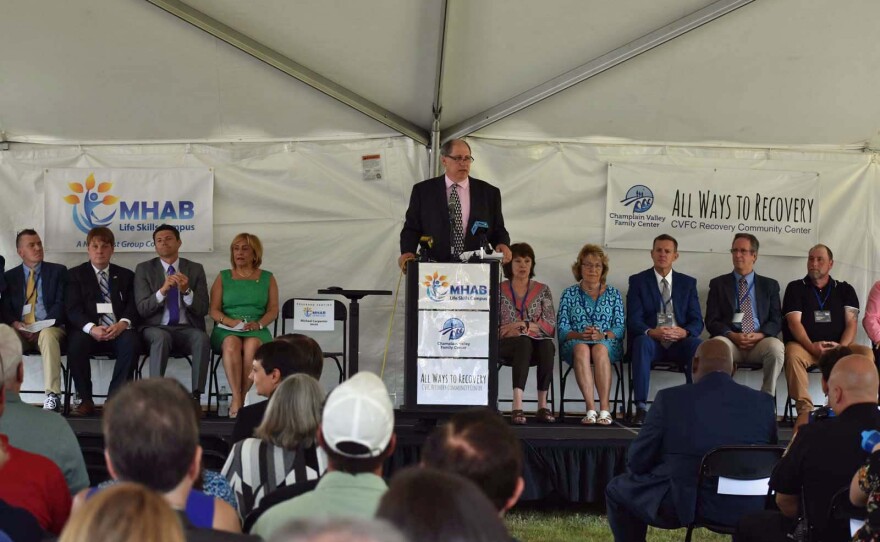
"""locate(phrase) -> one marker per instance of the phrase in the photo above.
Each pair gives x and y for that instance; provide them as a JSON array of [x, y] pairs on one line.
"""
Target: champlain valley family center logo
[[437, 286], [640, 197], [453, 329], [87, 206]]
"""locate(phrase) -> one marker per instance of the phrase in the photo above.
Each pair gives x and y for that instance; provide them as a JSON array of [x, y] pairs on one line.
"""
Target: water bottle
[[870, 439], [223, 403]]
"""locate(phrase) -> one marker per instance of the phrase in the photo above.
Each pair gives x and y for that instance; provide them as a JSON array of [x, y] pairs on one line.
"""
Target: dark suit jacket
[[721, 305], [149, 277], [643, 303], [53, 278], [683, 424], [2, 282], [428, 214], [83, 295], [248, 419]]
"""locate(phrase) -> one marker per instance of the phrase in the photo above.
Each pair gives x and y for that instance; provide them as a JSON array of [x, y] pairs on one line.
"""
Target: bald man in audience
[[822, 458], [685, 422]]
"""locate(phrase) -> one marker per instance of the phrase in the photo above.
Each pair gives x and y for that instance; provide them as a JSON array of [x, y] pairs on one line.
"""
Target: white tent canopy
[[783, 84]]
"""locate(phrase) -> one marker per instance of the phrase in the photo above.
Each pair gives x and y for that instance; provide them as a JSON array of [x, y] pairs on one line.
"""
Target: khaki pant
[[769, 352], [797, 361], [49, 344]]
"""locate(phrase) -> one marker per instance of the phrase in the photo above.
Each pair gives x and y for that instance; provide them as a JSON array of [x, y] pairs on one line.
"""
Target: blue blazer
[[53, 278], [428, 214], [643, 303], [720, 305], [684, 423]]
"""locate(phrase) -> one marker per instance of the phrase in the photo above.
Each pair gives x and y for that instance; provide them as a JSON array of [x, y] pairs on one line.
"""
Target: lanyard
[[32, 294], [740, 299], [822, 302], [521, 310]]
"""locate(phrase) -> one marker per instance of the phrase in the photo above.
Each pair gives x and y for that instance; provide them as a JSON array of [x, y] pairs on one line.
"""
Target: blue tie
[[106, 319], [173, 302]]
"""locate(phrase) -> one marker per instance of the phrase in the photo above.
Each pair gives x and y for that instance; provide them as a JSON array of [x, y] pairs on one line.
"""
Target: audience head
[[828, 360], [29, 247], [525, 253], [124, 513], [480, 446], [273, 362], [151, 434], [246, 250], [430, 505], [664, 252], [589, 258], [357, 427], [853, 380], [712, 356], [312, 363], [338, 530], [10, 355], [293, 414]]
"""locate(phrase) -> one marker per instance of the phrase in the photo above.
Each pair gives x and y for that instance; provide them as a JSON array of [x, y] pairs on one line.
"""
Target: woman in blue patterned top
[[526, 324], [590, 327]]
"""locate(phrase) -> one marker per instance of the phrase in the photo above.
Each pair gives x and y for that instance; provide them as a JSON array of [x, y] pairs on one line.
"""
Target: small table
[[354, 311]]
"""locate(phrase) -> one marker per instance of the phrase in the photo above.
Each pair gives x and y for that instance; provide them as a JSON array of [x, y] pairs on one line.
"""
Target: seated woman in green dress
[[244, 301]]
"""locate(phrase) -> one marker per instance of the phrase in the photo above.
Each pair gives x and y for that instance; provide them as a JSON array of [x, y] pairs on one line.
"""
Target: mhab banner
[[132, 203], [703, 208]]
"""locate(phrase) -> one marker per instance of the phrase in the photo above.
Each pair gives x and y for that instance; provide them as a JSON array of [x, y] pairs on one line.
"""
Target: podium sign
[[451, 335]]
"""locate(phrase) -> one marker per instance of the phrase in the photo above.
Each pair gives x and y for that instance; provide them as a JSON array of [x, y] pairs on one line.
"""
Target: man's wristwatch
[[187, 292]]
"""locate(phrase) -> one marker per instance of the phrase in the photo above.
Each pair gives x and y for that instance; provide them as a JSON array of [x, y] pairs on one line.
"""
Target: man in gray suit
[[172, 299]]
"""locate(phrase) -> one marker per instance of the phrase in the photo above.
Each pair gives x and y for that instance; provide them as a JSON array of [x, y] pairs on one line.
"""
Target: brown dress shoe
[[86, 408]]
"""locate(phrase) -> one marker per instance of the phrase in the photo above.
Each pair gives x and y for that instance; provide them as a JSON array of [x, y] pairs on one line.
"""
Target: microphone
[[482, 227], [426, 242]]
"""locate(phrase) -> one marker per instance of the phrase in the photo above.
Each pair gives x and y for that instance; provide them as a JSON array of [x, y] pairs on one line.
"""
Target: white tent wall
[[322, 225]]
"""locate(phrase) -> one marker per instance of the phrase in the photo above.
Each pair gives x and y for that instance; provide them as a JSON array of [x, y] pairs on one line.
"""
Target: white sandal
[[590, 418], [604, 418]]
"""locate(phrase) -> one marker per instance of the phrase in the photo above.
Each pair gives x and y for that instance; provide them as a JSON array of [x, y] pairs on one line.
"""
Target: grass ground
[[563, 526]]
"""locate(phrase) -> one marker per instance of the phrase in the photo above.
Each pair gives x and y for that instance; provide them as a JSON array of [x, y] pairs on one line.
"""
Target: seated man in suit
[[663, 462], [743, 310], [35, 293], [454, 209], [663, 319], [172, 300], [100, 312], [820, 314]]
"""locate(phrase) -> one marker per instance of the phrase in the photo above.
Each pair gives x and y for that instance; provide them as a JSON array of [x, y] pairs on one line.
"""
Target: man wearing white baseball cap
[[357, 433]]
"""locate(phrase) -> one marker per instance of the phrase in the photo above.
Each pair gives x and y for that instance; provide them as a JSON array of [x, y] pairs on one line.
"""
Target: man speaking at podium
[[455, 210]]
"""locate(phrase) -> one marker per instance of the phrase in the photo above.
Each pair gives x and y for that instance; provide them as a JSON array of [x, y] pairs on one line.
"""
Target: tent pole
[[594, 67], [292, 68], [437, 107]]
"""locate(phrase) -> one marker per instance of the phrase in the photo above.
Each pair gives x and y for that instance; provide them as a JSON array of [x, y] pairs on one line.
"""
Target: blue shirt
[[40, 307]]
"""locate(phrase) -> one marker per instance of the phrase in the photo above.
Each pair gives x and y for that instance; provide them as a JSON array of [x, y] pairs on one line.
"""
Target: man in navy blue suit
[[437, 203], [663, 462], [663, 319], [35, 293]]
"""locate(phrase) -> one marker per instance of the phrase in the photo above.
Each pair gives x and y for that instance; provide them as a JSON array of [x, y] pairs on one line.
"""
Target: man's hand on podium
[[404, 258], [505, 252]]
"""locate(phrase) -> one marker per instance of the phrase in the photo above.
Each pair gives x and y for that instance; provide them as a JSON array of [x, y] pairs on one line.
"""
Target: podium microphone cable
[[391, 323]]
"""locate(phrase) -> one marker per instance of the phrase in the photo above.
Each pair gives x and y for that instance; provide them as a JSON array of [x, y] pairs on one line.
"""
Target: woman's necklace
[[242, 275]]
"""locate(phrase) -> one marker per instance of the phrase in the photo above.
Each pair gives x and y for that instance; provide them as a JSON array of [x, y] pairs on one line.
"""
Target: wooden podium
[[451, 341]]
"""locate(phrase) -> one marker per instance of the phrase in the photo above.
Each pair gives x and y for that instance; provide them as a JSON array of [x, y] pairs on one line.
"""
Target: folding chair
[[619, 400], [663, 366], [499, 365], [844, 510], [789, 414], [740, 474], [340, 314]]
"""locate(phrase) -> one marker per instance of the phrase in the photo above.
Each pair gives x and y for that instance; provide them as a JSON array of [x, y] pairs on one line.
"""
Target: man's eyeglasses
[[741, 251], [465, 159]]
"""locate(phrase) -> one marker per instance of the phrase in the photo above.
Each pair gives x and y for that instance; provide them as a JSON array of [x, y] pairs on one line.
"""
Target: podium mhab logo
[[86, 209], [453, 329], [437, 286], [640, 197]]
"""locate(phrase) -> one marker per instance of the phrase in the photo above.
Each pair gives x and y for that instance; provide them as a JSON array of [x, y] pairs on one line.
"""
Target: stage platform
[[564, 462]]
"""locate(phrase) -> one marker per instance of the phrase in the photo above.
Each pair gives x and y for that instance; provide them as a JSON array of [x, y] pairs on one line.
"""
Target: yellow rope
[[391, 325]]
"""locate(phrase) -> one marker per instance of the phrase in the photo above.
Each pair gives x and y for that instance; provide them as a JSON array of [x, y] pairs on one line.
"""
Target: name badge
[[665, 319], [26, 309], [822, 317], [105, 308], [737, 320]]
